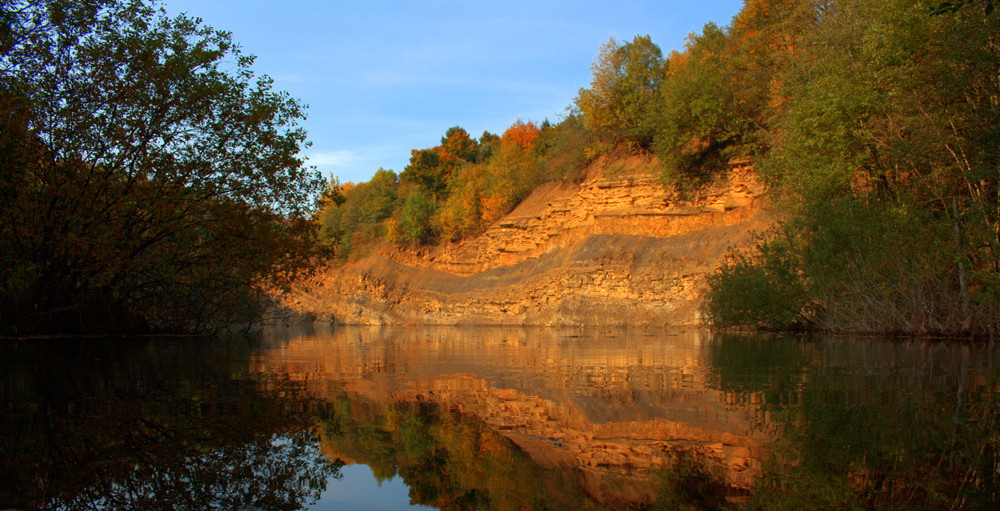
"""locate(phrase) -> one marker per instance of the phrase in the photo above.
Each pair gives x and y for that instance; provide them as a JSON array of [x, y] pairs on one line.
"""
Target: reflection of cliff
[[606, 403], [617, 249]]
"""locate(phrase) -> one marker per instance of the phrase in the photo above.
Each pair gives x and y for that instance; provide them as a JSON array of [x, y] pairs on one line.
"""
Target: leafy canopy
[[150, 177], [621, 102]]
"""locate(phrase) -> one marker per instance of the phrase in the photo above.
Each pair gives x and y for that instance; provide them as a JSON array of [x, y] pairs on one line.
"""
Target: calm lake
[[498, 418]]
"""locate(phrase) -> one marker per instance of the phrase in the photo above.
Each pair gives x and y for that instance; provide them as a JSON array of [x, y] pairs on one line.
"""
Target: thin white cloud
[[356, 165], [340, 158]]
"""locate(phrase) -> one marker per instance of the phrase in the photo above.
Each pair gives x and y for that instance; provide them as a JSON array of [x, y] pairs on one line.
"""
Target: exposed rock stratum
[[616, 249]]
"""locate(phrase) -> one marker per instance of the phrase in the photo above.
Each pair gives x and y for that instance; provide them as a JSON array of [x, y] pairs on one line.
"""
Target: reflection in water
[[608, 407], [497, 418], [890, 425], [172, 424], [283, 471], [448, 460]]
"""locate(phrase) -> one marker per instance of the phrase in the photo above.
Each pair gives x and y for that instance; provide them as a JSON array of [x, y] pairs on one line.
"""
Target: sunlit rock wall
[[618, 249]]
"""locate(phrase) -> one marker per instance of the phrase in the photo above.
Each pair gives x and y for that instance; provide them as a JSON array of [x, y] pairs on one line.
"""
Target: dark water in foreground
[[492, 418]]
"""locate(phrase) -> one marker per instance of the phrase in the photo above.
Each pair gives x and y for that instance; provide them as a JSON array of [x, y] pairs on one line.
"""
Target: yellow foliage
[[480, 194], [392, 231]]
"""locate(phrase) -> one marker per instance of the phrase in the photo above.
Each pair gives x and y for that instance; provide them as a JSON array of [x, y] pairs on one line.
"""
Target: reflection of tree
[[769, 367], [127, 424], [448, 460], [280, 472], [869, 424], [691, 483]]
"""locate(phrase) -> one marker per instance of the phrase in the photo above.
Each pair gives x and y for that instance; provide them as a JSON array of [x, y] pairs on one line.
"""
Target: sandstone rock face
[[617, 249]]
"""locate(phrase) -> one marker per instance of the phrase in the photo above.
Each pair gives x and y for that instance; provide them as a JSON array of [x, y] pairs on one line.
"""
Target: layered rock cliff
[[617, 249]]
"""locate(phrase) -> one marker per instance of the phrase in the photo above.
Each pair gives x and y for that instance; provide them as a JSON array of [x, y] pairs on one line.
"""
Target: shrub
[[759, 288]]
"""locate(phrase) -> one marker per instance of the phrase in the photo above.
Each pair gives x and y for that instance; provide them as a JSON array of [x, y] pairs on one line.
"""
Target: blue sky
[[384, 77]]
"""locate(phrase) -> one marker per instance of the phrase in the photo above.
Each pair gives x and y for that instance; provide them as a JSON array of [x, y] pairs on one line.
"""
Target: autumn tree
[[765, 38], [521, 133], [510, 174], [461, 215], [150, 177], [431, 169], [456, 144], [481, 193]]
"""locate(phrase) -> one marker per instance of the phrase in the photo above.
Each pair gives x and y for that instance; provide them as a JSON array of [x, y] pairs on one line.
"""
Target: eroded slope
[[617, 249]]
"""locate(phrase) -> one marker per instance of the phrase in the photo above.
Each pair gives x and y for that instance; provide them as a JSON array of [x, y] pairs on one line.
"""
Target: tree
[[886, 143], [562, 150], [479, 194], [521, 133], [416, 217], [356, 223], [698, 120], [432, 169], [461, 214], [426, 171], [485, 145], [150, 178], [382, 196], [720, 94], [620, 104], [457, 144]]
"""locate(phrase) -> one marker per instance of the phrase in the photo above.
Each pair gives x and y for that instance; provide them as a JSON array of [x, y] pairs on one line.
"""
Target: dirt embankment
[[617, 249]]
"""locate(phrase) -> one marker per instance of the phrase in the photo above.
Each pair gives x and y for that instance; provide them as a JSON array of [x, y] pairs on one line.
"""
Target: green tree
[[426, 171], [356, 223], [485, 145], [150, 178], [760, 289], [698, 122], [381, 198], [562, 150], [720, 95], [416, 218], [621, 103]]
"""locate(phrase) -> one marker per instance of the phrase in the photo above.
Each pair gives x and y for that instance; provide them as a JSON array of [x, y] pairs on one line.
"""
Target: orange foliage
[[457, 145], [494, 207], [447, 158], [521, 133]]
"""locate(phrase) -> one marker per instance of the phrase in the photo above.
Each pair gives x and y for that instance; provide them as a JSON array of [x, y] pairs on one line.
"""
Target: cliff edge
[[617, 249]]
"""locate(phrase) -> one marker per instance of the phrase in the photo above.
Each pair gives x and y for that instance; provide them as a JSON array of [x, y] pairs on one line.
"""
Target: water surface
[[497, 418]]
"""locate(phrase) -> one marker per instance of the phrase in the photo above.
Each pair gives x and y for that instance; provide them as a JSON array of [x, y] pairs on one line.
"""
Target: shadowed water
[[497, 418]]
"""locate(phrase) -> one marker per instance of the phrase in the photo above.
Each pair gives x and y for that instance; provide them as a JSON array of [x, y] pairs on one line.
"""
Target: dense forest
[[875, 125], [147, 185]]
